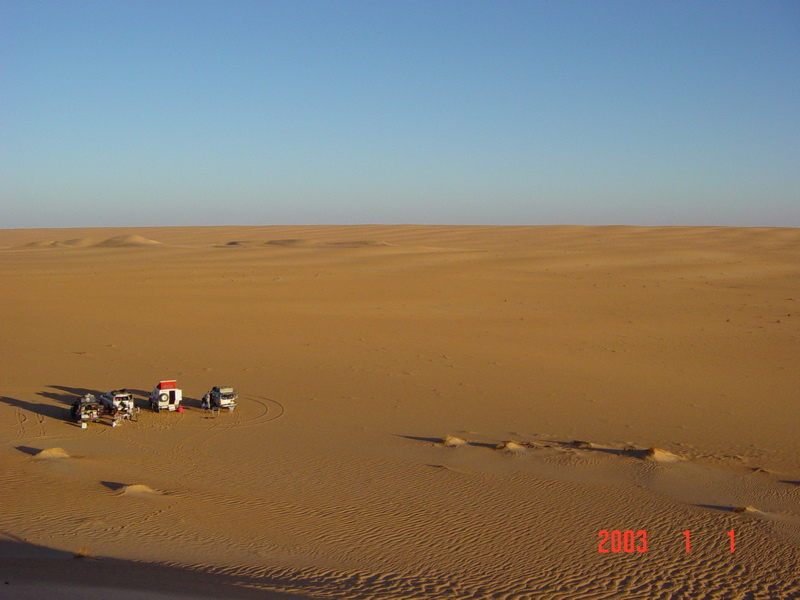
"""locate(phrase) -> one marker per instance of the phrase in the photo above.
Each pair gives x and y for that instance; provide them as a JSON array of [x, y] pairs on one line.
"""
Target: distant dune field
[[425, 412]]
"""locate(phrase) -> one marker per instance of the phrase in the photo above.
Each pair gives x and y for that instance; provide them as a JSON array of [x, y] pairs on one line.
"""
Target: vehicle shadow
[[186, 402], [70, 394], [143, 399], [67, 395], [60, 413], [191, 402]]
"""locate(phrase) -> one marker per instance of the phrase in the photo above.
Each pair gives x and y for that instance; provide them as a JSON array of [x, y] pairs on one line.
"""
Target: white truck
[[220, 397], [166, 396], [119, 404]]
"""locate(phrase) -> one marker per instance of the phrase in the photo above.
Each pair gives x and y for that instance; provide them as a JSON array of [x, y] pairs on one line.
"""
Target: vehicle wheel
[[164, 397]]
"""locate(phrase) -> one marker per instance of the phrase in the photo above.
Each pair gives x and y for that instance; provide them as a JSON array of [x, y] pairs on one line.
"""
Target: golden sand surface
[[425, 412]]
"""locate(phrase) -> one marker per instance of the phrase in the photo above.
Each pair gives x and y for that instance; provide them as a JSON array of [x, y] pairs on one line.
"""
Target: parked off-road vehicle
[[220, 397], [86, 409], [119, 404], [166, 396]]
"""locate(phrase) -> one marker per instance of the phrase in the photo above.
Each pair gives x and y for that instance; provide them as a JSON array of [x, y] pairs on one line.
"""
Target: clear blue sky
[[129, 113]]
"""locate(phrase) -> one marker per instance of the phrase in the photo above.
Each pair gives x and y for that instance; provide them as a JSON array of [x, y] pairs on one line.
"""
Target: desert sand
[[424, 413]]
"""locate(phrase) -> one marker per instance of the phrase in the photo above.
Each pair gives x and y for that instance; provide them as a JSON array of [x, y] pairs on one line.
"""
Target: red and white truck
[[166, 396]]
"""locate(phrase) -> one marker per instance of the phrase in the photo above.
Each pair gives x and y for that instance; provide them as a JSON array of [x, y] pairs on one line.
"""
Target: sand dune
[[73, 243], [51, 453], [513, 447], [663, 456], [120, 241], [424, 412], [303, 243], [451, 441], [125, 241], [138, 489]]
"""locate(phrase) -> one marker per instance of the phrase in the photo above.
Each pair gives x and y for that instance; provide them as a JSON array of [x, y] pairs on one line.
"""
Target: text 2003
[[623, 541]]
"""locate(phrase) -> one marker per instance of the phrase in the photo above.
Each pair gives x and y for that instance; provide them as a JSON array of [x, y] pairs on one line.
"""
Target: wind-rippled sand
[[424, 412]]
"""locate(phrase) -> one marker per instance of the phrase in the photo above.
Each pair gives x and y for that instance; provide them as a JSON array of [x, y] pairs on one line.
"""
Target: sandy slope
[[356, 350]]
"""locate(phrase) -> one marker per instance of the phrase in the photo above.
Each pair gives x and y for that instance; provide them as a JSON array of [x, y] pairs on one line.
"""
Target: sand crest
[[661, 456], [51, 453], [138, 489], [126, 241], [119, 241], [513, 447], [451, 441]]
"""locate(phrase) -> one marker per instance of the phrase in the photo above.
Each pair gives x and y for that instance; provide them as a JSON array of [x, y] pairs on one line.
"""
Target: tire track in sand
[[21, 420], [40, 423], [223, 423], [192, 449], [25, 424]]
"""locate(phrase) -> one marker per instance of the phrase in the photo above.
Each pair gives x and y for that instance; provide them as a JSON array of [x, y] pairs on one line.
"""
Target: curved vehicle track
[[191, 451]]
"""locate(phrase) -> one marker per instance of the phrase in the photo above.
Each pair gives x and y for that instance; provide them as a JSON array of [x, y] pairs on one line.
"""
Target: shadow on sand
[[30, 451], [60, 413], [440, 441], [67, 395], [576, 444], [717, 507], [23, 565], [114, 486]]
